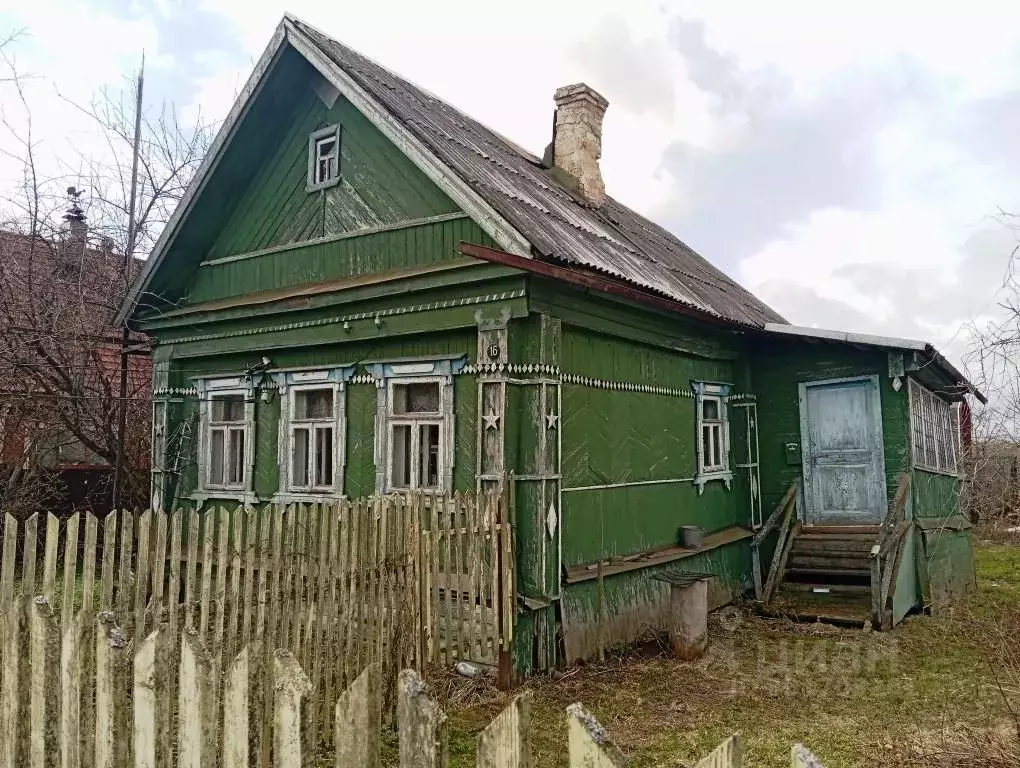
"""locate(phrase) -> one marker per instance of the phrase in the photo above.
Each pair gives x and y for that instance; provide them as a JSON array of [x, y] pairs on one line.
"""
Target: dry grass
[[939, 691]]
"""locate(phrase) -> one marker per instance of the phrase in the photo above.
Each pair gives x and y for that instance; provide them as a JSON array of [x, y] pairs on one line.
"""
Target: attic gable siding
[[378, 186], [411, 246]]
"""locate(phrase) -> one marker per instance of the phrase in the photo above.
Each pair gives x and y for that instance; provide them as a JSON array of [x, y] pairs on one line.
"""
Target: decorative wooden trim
[[335, 238], [626, 386], [175, 392], [340, 319]]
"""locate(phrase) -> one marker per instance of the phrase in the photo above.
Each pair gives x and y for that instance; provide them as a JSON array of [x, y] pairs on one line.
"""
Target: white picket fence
[[178, 712]]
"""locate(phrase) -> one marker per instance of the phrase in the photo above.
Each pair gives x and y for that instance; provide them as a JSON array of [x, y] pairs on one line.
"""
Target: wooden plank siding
[[376, 252]]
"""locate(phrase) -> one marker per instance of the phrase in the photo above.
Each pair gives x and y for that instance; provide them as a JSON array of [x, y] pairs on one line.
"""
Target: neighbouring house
[[365, 291], [60, 352]]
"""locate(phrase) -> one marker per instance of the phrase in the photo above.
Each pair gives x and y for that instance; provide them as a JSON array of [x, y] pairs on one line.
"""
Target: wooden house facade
[[366, 292]]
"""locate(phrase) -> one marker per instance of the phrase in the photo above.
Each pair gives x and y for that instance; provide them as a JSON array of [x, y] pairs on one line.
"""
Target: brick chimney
[[577, 138]]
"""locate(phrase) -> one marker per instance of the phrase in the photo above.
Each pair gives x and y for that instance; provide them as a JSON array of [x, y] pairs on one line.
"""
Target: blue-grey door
[[842, 451]]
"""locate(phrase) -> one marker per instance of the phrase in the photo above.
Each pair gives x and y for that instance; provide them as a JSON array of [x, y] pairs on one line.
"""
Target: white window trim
[[710, 391], [208, 390], [288, 402], [385, 419], [924, 406], [313, 184], [296, 379], [415, 420]]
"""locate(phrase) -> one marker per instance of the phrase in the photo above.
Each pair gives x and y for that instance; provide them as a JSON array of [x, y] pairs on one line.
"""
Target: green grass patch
[[855, 698]]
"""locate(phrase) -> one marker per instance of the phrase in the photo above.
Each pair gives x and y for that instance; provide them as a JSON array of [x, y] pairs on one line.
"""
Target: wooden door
[[842, 451]]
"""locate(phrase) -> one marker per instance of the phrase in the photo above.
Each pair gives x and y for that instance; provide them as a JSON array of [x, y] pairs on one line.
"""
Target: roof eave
[[598, 282], [885, 342]]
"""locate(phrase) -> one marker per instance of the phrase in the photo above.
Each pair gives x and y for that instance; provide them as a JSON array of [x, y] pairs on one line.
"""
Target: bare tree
[[64, 271], [993, 461]]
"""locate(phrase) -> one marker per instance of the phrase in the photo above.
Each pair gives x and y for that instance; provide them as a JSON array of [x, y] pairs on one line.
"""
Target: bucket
[[692, 536]]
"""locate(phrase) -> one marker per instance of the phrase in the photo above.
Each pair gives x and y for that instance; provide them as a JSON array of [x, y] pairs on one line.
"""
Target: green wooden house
[[366, 291]]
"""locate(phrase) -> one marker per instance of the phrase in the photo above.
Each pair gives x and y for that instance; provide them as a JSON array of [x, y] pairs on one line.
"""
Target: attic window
[[324, 158]]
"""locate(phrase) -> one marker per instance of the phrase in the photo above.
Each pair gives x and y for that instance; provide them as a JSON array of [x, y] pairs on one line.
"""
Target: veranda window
[[935, 432], [415, 428], [313, 438], [227, 436]]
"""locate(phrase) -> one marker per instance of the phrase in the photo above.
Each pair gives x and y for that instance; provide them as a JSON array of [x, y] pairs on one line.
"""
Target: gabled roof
[[507, 190], [611, 239]]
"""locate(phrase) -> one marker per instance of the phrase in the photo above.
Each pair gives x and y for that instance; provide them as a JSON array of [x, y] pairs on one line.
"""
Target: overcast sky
[[845, 162]]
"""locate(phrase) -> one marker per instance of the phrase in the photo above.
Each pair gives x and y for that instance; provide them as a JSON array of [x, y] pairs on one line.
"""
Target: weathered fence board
[[729, 754]]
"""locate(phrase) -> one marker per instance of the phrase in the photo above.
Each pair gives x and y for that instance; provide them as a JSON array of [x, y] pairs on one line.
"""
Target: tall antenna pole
[[129, 251]]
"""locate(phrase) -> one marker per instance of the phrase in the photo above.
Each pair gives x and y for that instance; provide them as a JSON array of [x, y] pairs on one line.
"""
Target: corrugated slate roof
[[611, 239]]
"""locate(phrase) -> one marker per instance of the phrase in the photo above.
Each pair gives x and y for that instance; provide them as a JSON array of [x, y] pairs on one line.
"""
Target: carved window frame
[[710, 391]]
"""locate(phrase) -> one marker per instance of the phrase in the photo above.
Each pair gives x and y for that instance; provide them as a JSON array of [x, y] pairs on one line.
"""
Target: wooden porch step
[[826, 547], [835, 589], [828, 571], [840, 530], [846, 560]]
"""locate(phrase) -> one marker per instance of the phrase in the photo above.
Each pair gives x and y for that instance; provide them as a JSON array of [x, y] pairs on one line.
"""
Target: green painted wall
[[777, 369], [412, 246], [612, 436], [378, 186], [934, 495]]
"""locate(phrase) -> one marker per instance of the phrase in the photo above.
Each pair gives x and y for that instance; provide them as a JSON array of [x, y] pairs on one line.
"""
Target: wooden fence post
[[589, 744], [421, 724], [110, 643], [70, 690], [505, 742], [290, 685], [43, 683], [801, 757], [729, 754], [14, 670], [150, 707], [196, 717], [358, 718], [235, 712]]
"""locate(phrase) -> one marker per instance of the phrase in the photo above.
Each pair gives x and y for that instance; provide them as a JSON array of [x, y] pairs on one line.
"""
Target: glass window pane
[[299, 458], [420, 397], [229, 408], [313, 404], [236, 456], [428, 448], [216, 457], [324, 456], [710, 410], [706, 445], [400, 476]]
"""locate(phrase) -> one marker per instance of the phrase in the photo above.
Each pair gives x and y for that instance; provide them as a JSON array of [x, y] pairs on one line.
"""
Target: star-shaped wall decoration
[[552, 420], [491, 420]]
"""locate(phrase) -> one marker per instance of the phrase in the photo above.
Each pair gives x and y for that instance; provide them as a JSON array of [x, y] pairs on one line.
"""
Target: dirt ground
[[936, 691]]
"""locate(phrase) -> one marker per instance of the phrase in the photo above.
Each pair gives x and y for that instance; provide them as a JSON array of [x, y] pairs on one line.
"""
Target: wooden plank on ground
[[358, 721], [589, 744]]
